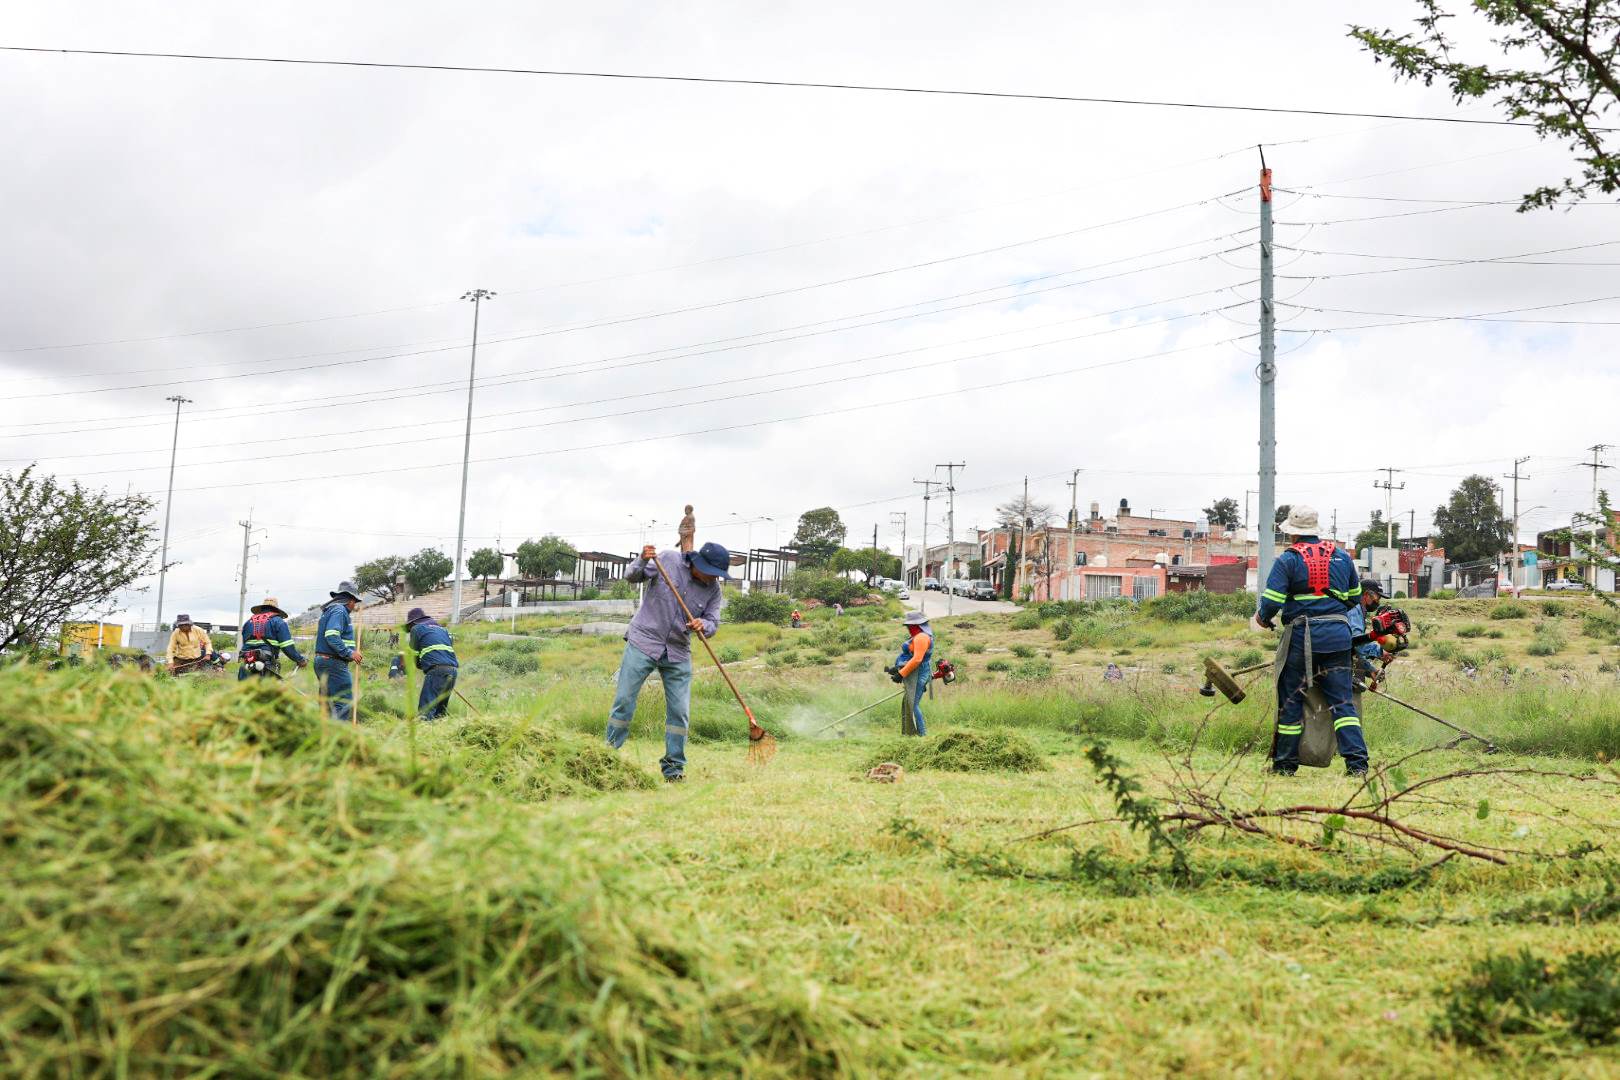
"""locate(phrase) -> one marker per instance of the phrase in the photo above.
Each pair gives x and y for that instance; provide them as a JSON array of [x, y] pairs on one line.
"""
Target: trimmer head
[[1217, 678]]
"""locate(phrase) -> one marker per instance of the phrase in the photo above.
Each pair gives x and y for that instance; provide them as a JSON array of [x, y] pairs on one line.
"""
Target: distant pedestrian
[[335, 649], [688, 530], [1112, 673], [838, 609], [436, 657], [659, 640], [189, 646]]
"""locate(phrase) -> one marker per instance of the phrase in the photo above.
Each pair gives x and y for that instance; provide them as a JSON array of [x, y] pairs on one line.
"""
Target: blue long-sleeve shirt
[[1371, 651], [276, 634], [659, 628], [432, 645], [335, 635], [1288, 590]]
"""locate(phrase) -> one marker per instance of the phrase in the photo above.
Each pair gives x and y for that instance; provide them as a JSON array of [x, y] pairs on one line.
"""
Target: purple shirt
[[659, 628]]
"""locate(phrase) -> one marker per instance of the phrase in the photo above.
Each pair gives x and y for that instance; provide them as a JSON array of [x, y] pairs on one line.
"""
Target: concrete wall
[[562, 607]]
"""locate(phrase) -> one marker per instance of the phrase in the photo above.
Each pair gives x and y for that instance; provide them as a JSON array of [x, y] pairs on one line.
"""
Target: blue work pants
[[1333, 678], [437, 683], [336, 684], [634, 669]]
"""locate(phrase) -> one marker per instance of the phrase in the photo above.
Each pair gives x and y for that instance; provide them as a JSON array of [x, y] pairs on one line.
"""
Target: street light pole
[[477, 296], [168, 506]]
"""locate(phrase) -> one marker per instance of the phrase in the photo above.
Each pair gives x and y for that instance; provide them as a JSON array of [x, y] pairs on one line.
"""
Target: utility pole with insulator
[[241, 593], [168, 506], [1074, 524], [1268, 385], [901, 514], [477, 296], [1515, 476], [950, 468], [1597, 509], [922, 561], [1390, 487]]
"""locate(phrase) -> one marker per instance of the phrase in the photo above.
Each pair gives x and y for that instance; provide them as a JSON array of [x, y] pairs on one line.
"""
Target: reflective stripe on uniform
[[1308, 596], [1290, 729], [436, 648], [1273, 594], [1344, 722]]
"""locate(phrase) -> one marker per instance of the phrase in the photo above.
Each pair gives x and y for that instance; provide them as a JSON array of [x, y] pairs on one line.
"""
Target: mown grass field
[[204, 880]]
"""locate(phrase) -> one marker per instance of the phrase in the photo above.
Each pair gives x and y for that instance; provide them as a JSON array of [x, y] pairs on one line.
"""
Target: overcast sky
[[760, 300]]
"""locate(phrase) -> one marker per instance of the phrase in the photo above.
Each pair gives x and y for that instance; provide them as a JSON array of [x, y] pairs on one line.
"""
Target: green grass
[[212, 879]]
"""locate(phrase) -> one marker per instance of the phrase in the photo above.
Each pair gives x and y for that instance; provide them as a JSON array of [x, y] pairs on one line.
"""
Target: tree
[[1012, 513], [1568, 92], [1377, 533], [65, 550], [485, 563], [1224, 512], [427, 570], [819, 535], [546, 558], [1282, 514], [1471, 526], [377, 577], [867, 560]]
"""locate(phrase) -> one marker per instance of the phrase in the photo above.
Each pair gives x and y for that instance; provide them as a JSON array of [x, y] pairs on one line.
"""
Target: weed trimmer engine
[[255, 660], [945, 671]]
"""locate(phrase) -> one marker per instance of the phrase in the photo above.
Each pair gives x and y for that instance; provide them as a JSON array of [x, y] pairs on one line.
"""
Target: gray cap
[[915, 618], [346, 588]]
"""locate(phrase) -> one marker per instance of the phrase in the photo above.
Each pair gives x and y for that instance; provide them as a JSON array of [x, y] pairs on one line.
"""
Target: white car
[[1561, 584]]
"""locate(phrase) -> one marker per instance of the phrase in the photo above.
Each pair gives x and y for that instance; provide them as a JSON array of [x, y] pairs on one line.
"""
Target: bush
[[973, 647], [1524, 994], [1552, 609], [1602, 625], [1248, 657], [1200, 606], [1032, 670], [621, 590], [1443, 594], [758, 606], [1445, 651], [729, 654], [1510, 609], [1063, 628], [997, 750], [827, 587], [998, 664], [514, 657], [1549, 640], [1023, 652], [1470, 630], [1028, 619]]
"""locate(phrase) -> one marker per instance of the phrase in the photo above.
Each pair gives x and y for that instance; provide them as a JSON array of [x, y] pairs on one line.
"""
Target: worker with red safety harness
[[265, 639], [1313, 585]]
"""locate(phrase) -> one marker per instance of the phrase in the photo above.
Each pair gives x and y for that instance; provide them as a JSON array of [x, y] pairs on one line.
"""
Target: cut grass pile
[[219, 882], [534, 764], [963, 751]]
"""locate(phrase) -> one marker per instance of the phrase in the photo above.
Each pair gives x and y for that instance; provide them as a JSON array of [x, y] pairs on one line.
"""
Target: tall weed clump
[[213, 880]]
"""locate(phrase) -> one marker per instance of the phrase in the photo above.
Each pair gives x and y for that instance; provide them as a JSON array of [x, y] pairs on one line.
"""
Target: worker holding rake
[[659, 639]]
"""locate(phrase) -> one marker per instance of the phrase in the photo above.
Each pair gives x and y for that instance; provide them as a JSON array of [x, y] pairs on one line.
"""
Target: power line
[[1454, 260], [1481, 261], [1489, 316], [1444, 202], [526, 455], [418, 439], [623, 320], [348, 432], [1006, 95], [589, 367]]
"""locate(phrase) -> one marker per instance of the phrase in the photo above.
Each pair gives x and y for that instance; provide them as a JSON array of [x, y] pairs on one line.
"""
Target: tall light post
[[477, 296], [168, 506]]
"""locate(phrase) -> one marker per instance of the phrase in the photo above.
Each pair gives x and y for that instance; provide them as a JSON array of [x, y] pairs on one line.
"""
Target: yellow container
[[81, 637]]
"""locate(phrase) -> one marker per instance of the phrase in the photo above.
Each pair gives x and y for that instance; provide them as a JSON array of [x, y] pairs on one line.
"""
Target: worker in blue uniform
[[335, 649], [1313, 585], [265, 638], [1370, 653], [436, 658]]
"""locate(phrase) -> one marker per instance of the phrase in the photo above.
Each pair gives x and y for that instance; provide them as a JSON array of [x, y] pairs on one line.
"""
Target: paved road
[[934, 605]]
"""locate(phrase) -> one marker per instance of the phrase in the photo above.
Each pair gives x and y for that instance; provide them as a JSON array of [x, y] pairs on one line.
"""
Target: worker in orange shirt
[[914, 667]]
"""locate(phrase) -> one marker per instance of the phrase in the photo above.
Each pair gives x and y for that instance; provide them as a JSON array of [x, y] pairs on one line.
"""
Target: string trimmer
[[761, 743], [1218, 678]]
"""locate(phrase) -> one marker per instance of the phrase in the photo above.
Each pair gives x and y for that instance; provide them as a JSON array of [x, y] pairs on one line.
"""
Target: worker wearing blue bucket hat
[[659, 640]]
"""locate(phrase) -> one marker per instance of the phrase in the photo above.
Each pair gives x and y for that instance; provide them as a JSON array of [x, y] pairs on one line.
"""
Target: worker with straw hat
[[265, 637], [912, 668], [659, 640], [1313, 585]]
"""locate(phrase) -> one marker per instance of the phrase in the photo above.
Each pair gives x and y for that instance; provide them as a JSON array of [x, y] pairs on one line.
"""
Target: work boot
[[1282, 770], [1356, 774], [677, 778]]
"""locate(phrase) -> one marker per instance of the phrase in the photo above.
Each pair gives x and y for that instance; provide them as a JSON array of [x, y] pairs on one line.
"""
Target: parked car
[[931, 584], [982, 590], [959, 586], [1559, 584], [904, 593]]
